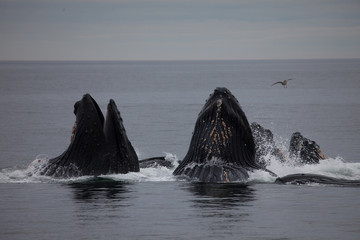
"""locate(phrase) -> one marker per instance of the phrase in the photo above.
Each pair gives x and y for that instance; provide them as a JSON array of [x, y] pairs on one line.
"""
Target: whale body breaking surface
[[224, 147]]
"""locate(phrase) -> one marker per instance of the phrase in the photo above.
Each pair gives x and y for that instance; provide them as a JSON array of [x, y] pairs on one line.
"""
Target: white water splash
[[332, 167], [30, 173], [157, 174]]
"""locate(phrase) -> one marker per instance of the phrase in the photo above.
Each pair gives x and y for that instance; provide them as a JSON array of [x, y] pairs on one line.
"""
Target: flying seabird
[[284, 83]]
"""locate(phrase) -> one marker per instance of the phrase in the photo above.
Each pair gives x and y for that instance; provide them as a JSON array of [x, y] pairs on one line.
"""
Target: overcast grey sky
[[185, 29]]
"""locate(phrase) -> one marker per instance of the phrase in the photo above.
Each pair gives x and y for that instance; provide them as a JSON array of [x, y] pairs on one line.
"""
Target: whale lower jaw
[[214, 173]]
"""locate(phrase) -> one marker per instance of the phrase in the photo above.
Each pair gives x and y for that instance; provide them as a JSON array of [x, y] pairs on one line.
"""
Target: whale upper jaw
[[222, 148]]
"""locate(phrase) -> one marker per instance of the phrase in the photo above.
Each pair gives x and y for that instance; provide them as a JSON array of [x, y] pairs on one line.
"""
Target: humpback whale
[[301, 150], [265, 145], [98, 146], [222, 147], [305, 150], [305, 178]]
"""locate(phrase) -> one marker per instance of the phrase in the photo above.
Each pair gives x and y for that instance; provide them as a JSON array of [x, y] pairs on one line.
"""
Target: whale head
[[304, 149], [222, 147], [98, 146]]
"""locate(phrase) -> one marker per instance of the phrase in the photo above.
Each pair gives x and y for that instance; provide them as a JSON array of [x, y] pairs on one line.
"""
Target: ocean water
[[159, 102]]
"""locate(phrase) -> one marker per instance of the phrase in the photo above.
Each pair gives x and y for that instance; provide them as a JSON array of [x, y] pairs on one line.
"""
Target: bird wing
[[276, 83]]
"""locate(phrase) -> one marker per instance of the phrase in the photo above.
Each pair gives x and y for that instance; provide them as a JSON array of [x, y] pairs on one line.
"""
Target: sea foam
[[332, 167]]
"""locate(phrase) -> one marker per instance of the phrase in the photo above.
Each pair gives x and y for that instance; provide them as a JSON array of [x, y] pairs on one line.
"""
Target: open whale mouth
[[97, 146], [90, 117], [222, 146], [306, 150]]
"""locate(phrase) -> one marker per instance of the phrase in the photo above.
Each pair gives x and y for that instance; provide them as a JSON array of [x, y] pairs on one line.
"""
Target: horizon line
[[178, 60]]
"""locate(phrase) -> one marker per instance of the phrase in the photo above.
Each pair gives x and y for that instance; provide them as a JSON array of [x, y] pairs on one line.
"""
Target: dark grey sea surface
[[159, 102]]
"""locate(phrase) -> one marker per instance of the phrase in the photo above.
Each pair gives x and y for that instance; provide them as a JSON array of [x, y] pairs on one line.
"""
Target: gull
[[284, 83]]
